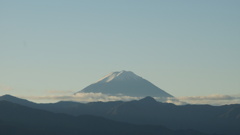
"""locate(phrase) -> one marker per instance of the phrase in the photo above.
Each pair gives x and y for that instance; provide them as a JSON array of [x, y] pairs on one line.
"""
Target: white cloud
[[211, 99], [82, 97], [93, 97]]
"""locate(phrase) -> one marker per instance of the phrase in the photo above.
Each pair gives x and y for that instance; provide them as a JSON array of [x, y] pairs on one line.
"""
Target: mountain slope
[[14, 99], [210, 119], [21, 120], [125, 83]]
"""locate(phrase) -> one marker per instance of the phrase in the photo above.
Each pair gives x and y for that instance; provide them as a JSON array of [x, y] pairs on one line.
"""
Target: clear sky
[[187, 47]]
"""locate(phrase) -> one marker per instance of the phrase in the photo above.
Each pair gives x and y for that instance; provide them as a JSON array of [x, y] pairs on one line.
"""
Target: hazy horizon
[[55, 48]]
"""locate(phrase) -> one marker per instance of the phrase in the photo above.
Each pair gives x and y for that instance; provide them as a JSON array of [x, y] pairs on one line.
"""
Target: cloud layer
[[83, 97], [212, 99], [93, 97]]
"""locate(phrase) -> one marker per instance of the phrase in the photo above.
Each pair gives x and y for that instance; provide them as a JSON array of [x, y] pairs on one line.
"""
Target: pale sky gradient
[[187, 47]]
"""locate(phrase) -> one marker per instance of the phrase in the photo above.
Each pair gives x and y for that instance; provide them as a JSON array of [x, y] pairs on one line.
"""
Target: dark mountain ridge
[[22, 120], [223, 119]]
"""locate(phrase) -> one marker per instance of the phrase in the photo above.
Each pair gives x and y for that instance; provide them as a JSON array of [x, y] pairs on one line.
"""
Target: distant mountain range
[[125, 83], [17, 119], [147, 111]]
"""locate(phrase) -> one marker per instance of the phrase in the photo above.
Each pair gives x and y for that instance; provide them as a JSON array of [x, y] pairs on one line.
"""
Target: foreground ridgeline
[[134, 117], [17, 119]]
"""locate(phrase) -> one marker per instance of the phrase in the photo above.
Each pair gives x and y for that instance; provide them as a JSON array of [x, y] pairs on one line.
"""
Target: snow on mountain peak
[[125, 83], [120, 75]]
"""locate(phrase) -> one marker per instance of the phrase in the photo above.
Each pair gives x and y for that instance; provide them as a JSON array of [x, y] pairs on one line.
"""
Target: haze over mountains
[[140, 117], [125, 83], [184, 56], [147, 111], [16, 119]]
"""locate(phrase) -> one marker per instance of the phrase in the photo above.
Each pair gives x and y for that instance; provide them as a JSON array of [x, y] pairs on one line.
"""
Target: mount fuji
[[125, 83]]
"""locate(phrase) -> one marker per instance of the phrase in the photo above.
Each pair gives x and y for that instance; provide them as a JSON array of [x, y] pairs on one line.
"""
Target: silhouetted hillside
[[17, 100], [206, 118], [20, 120]]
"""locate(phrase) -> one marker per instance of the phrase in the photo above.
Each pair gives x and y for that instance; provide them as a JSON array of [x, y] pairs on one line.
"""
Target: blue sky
[[187, 48]]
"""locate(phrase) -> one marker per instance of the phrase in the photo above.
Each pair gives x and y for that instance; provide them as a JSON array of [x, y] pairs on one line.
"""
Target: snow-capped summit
[[125, 83], [119, 76]]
